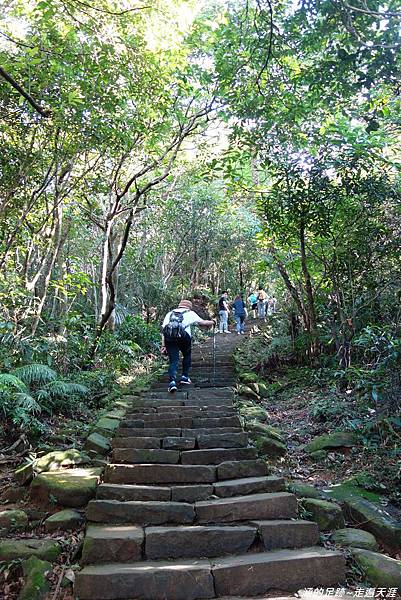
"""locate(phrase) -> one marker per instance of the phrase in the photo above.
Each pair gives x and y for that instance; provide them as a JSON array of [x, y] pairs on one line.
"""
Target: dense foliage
[[154, 151]]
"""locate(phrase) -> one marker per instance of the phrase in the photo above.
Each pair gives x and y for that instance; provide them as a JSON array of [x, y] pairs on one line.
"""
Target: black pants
[[173, 350]]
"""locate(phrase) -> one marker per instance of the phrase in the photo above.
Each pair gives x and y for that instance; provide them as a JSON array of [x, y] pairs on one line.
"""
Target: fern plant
[[35, 374], [29, 390]]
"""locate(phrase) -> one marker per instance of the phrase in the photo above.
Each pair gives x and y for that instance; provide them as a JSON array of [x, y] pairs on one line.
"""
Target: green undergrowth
[[307, 401]]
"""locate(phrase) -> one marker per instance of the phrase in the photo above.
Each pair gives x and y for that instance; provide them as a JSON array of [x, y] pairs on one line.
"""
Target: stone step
[[126, 492], [197, 541], [147, 580], [239, 470], [160, 432], [223, 440], [184, 410], [244, 575], [276, 505], [136, 442], [112, 543], [179, 413], [157, 422], [207, 401], [191, 493], [150, 474], [248, 485], [215, 456], [200, 422], [196, 433], [143, 456], [286, 570], [179, 443], [140, 512], [276, 534]]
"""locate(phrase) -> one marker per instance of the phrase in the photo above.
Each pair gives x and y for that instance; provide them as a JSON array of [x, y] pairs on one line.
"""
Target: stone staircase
[[187, 511]]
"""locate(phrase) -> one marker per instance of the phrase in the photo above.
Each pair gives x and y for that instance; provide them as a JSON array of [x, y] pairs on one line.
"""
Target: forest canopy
[[151, 151]]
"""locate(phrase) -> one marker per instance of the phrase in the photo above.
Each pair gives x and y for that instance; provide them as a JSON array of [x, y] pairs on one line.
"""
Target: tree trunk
[[310, 304]]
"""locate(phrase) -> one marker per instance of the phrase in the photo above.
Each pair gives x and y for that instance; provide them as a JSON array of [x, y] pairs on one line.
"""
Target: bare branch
[[45, 112]]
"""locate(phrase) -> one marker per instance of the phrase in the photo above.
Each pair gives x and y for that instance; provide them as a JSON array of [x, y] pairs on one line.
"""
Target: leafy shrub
[[32, 389], [146, 336]]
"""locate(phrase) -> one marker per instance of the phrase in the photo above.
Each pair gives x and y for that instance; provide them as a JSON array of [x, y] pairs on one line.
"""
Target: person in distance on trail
[[262, 301], [223, 313], [177, 337], [253, 301], [240, 313]]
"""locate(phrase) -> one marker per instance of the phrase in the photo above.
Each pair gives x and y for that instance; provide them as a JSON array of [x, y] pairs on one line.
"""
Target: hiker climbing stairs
[[187, 510]]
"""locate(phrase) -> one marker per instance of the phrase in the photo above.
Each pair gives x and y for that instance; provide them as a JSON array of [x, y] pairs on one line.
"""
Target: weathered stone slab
[[287, 534], [117, 543], [354, 538], [337, 439], [97, 442], [179, 422], [160, 474], [287, 570], [73, 487], [136, 442], [45, 549], [379, 569], [191, 493], [65, 519], [199, 422], [113, 491], [36, 586], [153, 455], [199, 541], [223, 440], [208, 431], [245, 468], [183, 580], [132, 423], [215, 456], [53, 461], [179, 443], [159, 432], [277, 505], [248, 485], [141, 513], [327, 515], [375, 519]]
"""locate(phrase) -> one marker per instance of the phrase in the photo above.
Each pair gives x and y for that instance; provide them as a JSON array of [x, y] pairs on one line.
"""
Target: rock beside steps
[[187, 511]]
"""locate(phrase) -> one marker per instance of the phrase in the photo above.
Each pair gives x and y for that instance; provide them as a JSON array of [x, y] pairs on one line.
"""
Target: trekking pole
[[214, 356]]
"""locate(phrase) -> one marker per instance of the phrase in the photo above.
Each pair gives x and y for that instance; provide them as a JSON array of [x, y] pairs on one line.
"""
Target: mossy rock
[[97, 442], [345, 490], [249, 377], [46, 549], [65, 520], [303, 490], [13, 520], [24, 474], [327, 515], [338, 439], [61, 458], [379, 570], [244, 390], [270, 447], [354, 538], [375, 519], [255, 429], [106, 424], [318, 455], [74, 487], [253, 413], [36, 585]]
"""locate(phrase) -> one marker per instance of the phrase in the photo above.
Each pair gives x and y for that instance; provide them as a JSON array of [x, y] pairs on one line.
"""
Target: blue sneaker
[[172, 387], [185, 380]]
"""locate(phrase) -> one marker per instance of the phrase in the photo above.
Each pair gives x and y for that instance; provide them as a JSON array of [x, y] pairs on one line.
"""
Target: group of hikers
[[260, 302], [177, 333]]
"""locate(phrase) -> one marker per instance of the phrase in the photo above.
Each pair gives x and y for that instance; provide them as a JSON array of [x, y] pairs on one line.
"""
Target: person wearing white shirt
[[177, 337]]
